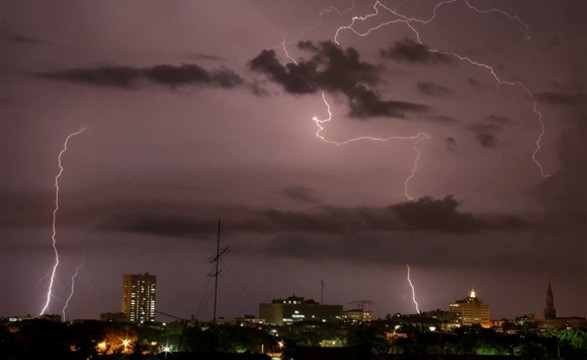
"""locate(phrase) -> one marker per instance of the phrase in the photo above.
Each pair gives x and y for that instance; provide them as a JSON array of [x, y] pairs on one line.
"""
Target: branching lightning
[[408, 21], [416, 138], [328, 10], [72, 290], [413, 290], [284, 46], [54, 227], [415, 168]]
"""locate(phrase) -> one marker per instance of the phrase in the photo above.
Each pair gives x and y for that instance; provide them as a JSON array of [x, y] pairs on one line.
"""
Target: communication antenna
[[216, 261]]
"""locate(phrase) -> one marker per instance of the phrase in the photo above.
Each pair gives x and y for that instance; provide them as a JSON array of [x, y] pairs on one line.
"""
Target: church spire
[[549, 310]]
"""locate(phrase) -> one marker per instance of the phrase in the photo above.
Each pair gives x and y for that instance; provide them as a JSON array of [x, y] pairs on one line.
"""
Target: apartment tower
[[138, 297]]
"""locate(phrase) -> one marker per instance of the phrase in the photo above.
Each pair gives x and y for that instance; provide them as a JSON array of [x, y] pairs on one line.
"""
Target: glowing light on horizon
[[408, 21], [413, 290], [416, 138], [54, 222]]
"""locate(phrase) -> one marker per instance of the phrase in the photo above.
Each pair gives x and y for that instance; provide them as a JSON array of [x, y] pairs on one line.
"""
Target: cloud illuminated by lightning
[[416, 138], [413, 290], [328, 10], [72, 290], [408, 21], [54, 227]]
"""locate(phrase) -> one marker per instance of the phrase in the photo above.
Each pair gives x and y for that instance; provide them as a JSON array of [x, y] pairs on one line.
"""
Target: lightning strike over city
[[413, 290], [337, 140], [71, 291], [54, 222]]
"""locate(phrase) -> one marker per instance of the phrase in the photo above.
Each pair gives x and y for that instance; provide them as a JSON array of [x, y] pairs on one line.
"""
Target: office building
[[295, 309], [357, 315], [470, 310], [138, 297]]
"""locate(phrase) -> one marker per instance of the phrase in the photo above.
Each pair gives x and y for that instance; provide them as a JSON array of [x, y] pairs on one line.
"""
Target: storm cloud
[[431, 89], [132, 77], [412, 52], [334, 70], [485, 133], [186, 220]]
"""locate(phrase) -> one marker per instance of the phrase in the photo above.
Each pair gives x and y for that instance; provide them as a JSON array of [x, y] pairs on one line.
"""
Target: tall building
[[550, 319], [295, 309], [470, 310], [549, 310], [138, 297]]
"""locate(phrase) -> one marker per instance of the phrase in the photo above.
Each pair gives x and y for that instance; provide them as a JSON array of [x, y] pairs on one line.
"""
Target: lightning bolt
[[415, 168], [408, 21], [54, 227], [328, 10], [284, 46], [416, 138], [77, 269], [413, 290]]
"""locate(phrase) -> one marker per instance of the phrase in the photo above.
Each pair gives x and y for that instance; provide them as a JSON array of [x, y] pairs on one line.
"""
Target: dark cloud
[[335, 70], [485, 134], [185, 221], [295, 79], [474, 83], [188, 223], [413, 52], [451, 143], [301, 194], [174, 76], [487, 140], [182, 219], [554, 98], [118, 76], [131, 77], [431, 89], [366, 103], [437, 215], [172, 226]]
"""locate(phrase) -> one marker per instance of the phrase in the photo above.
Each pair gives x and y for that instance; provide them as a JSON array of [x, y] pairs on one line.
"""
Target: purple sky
[[197, 111]]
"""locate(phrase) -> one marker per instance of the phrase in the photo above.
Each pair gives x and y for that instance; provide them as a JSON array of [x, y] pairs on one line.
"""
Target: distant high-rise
[[549, 310], [471, 310], [138, 297]]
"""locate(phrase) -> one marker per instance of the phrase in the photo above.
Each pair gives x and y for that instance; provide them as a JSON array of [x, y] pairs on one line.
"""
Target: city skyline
[[338, 142]]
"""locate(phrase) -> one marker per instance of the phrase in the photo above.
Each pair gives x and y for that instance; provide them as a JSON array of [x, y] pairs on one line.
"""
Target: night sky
[[469, 163]]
